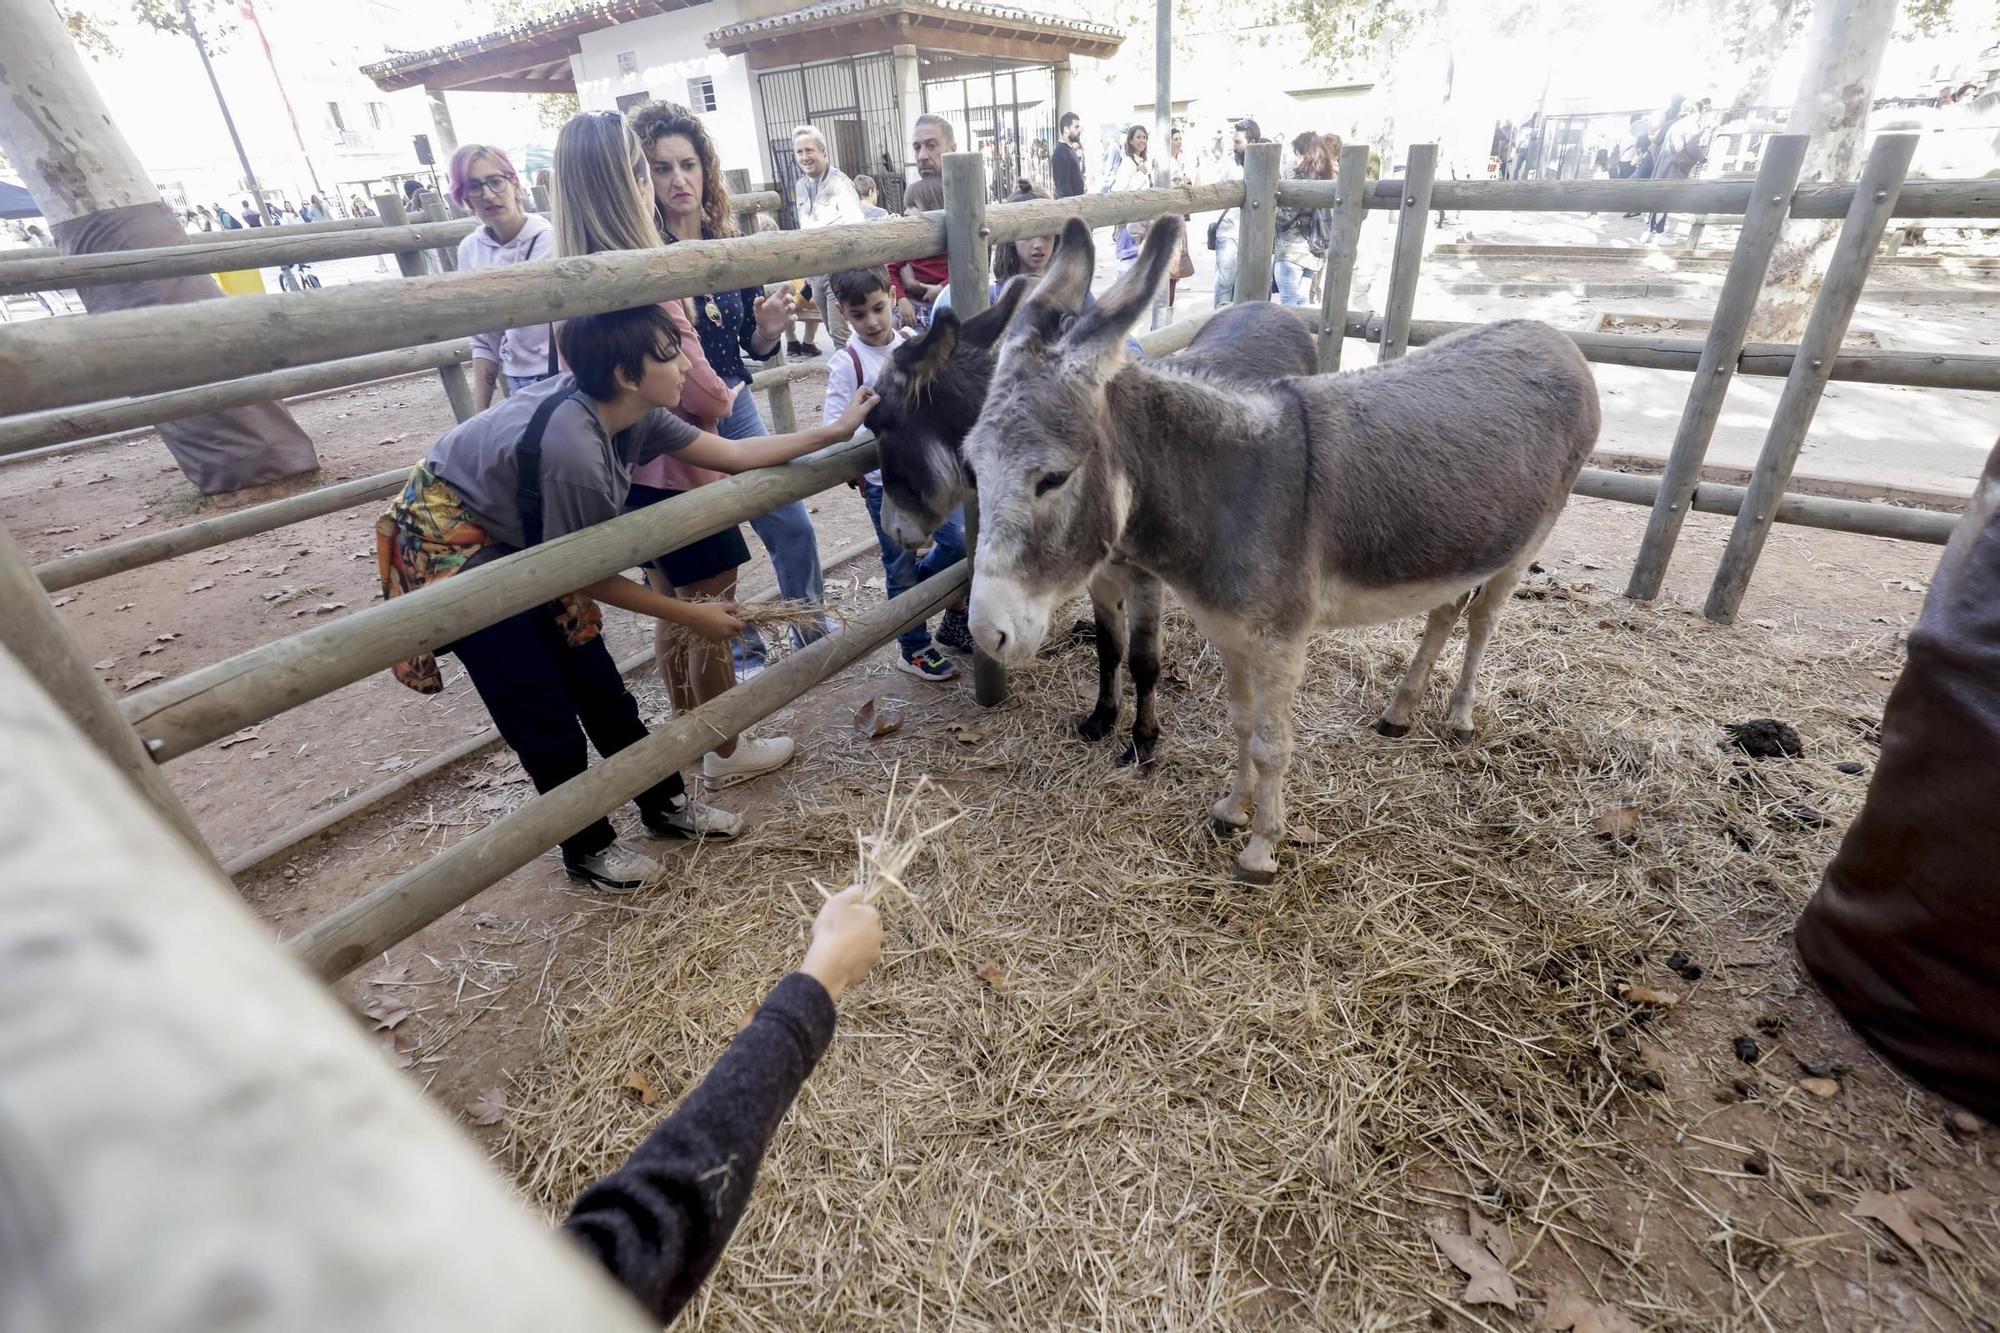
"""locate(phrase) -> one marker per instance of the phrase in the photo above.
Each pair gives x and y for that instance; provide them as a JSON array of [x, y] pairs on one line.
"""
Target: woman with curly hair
[[691, 203]]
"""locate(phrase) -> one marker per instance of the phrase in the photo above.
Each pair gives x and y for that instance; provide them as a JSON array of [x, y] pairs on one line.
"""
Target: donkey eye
[[1050, 482]]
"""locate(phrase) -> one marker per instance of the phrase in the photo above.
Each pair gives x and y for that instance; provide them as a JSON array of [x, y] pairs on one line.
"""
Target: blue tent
[[16, 202]]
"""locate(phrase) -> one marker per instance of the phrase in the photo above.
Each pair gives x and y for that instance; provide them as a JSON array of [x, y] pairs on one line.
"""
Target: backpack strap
[[528, 467], [854, 357]]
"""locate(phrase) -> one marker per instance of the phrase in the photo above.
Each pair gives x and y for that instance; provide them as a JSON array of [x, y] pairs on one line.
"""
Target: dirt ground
[[1741, 1184]]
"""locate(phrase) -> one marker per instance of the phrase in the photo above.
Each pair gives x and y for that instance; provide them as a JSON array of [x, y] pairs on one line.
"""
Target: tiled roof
[[582, 18], [948, 9]]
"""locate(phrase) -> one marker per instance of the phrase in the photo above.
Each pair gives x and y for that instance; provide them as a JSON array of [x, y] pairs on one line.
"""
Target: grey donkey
[[1272, 511], [932, 391]]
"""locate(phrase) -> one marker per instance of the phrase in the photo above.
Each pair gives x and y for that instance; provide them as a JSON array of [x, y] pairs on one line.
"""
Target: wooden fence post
[[32, 631], [437, 210], [1257, 224], [1337, 280], [784, 415], [1874, 201], [1777, 176], [968, 247], [208, 1137], [457, 388], [1411, 223]]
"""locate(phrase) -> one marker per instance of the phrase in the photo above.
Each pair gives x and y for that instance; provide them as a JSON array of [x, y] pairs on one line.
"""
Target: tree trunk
[[1766, 27], [1846, 40], [97, 197]]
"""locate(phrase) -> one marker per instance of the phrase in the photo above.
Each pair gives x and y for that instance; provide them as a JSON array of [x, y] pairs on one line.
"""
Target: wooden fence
[[52, 366]]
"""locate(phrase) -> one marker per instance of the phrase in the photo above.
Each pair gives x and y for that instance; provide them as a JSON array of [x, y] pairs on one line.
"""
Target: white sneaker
[[692, 819], [616, 869], [753, 759]]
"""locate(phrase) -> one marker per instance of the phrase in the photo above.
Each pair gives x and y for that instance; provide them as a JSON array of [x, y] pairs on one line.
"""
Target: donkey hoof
[[1222, 826], [1254, 875], [1387, 728], [1137, 754], [1462, 736], [1094, 727]]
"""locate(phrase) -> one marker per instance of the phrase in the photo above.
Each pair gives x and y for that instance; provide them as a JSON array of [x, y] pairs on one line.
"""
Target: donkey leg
[[1107, 606], [1479, 618], [1232, 812], [1395, 719], [1271, 747], [1143, 615]]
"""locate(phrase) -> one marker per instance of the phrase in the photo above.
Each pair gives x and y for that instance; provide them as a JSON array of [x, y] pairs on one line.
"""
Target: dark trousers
[[546, 696]]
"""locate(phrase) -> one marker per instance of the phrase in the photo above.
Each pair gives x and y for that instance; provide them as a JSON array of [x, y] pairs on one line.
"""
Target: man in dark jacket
[[1066, 163]]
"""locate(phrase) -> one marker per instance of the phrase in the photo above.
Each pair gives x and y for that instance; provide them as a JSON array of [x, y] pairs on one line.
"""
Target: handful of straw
[[881, 857], [784, 616]]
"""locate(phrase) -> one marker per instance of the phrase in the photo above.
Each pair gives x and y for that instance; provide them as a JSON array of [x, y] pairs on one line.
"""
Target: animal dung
[[1764, 738], [1747, 1050]]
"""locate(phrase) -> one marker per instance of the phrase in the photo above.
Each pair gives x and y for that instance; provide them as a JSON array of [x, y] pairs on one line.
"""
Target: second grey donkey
[[1272, 510]]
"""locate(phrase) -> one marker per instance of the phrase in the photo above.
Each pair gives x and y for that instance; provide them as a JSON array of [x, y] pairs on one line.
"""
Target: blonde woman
[[603, 201]]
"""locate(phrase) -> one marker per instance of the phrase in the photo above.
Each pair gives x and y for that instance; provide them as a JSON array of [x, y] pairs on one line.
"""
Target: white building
[[861, 70]]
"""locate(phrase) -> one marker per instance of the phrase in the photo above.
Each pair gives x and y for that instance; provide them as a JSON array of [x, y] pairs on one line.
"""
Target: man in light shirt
[[823, 197]]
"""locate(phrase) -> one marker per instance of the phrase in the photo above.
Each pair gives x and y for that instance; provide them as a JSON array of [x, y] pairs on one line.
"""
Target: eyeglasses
[[493, 185]]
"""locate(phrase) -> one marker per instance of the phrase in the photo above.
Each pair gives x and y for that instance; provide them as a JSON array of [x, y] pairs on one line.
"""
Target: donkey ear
[[985, 328], [923, 359], [1066, 279], [1106, 323]]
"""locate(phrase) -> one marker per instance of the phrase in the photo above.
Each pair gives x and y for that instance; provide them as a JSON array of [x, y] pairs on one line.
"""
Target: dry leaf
[[104, 664], [159, 638], [152, 648], [144, 678], [876, 719], [1487, 1281], [247, 734], [1821, 1087], [124, 606], [57, 532], [992, 974], [965, 735], [144, 518], [1914, 1215], [202, 586], [400, 1047], [1665, 999], [399, 975], [1567, 1310], [488, 1108], [392, 763], [1495, 1238], [324, 607], [636, 1082], [387, 1013], [63, 600], [1620, 823]]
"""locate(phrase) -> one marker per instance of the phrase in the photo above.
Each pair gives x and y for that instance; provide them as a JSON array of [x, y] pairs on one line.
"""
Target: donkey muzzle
[[1006, 620]]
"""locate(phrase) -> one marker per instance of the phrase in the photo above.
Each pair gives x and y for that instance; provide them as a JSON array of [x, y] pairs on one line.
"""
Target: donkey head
[[1053, 499], [931, 392]]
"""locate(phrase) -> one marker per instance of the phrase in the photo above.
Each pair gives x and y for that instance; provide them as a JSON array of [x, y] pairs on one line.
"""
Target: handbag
[[1214, 232], [1183, 266]]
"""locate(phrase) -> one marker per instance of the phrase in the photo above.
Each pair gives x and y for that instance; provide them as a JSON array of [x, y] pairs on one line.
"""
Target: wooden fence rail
[[1919, 199], [53, 363], [213, 701], [260, 249], [343, 940]]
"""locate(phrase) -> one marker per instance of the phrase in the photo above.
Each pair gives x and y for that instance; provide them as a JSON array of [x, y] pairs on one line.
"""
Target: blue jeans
[[516, 383], [905, 571], [787, 533], [1294, 282], [1225, 271]]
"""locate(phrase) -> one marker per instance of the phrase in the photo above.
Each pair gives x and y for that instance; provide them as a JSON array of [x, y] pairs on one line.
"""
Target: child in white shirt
[[867, 302]]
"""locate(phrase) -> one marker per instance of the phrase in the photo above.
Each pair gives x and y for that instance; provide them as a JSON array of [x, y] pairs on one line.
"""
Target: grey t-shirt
[[585, 472]]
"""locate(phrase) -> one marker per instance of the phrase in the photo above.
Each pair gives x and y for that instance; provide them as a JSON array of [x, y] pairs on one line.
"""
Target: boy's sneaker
[[692, 819], [930, 664], [616, 869], [753, 759], [953, 631]]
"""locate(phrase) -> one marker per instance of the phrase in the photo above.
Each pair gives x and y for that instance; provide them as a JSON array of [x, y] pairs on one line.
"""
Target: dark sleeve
[[659, 1222], [747, 331]]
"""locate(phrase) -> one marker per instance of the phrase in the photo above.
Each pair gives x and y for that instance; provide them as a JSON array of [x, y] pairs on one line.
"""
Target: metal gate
[[1007, 113], [852, 103]]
